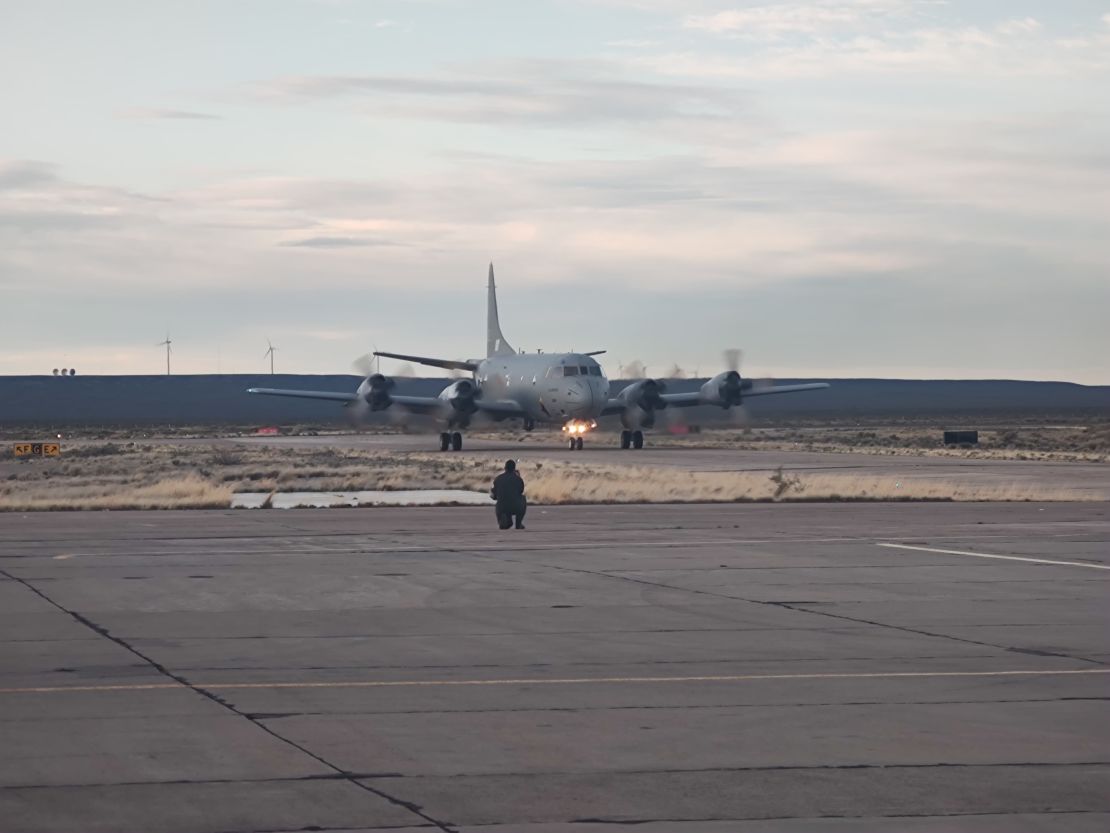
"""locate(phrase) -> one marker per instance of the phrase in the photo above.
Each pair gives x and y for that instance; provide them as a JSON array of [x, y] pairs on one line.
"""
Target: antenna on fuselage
[[495, 341]]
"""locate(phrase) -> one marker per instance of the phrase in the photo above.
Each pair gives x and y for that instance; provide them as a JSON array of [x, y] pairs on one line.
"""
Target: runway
[[758, 667], [1090, 477]]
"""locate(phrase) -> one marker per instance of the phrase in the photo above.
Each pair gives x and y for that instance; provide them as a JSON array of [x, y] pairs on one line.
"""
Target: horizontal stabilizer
[[446, 364]]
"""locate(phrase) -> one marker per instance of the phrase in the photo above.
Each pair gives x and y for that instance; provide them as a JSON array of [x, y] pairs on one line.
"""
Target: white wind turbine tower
[[167, 344], [270, 353]]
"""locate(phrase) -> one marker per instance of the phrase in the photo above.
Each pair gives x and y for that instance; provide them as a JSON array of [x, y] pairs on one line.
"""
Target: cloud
[[1011, 48], [155, 113], [20, 173], [1026, 25], [632, 43], [551, 93], [779, 19], [847, 217], [336, 242]]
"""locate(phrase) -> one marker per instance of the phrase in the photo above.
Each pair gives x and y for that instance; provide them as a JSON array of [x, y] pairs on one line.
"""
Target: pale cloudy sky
[[903, 188]]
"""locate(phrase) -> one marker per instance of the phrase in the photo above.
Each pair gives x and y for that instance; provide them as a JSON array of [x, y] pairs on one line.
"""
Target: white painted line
[[1003, 557], [540, 681]]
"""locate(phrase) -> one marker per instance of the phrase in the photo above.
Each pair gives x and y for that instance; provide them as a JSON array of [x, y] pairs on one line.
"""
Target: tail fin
[[495, 342]]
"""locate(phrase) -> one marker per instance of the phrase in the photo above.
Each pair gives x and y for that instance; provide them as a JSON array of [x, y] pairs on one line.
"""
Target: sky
[[841, 188]]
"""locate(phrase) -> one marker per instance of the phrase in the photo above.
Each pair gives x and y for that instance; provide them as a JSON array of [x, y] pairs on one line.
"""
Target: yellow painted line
[[706, 678], [1003, 557]]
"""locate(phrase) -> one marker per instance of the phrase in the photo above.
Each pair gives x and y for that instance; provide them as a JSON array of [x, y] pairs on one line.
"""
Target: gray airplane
[[567, 389]]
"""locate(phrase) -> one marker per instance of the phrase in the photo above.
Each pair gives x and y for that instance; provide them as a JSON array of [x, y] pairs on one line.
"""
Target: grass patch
[[179, 476]]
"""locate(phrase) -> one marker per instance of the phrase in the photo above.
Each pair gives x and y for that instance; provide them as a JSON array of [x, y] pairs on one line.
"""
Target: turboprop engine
[[642, 399], [462, 396], [725, 389], [375, 391]]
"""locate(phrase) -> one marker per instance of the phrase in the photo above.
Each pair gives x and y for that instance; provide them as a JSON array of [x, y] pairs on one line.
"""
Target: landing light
[[578, 426]]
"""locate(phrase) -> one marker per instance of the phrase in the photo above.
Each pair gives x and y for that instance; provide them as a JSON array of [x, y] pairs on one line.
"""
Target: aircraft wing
[[613, 406], [501, 408], [447, 364], [334, 396], [418, 404], [689, 400]]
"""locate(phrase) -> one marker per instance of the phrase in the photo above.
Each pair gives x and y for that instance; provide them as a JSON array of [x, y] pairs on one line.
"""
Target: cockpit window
[[584, 370], [595, 370], [570, 371]]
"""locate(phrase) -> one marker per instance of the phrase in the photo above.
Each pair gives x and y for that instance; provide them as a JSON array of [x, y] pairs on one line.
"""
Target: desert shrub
[[226, 457], [99, 450], [784, 483]]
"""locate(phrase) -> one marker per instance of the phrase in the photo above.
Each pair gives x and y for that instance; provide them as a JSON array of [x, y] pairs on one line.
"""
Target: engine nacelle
[[725, 389], [642, 399], [462, 396], [375, 390]]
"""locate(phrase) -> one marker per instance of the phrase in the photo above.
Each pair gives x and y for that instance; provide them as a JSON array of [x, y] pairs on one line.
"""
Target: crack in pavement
[[722, 706], [338, 776], [631, 822], [341, 774]]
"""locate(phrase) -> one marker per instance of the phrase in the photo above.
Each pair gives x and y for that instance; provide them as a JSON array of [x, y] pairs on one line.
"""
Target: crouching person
[[508, 491]]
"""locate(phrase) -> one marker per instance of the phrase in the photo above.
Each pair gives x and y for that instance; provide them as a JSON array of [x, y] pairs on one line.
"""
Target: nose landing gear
[[575, 429]]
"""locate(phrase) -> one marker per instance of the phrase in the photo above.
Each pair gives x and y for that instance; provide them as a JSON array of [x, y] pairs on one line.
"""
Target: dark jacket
[[508, 489]]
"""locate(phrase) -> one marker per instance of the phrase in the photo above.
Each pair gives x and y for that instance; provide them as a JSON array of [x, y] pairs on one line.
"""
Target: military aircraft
[[567, 389]]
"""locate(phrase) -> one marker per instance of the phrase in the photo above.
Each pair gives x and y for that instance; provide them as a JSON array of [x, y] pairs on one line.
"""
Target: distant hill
[[190, 400]]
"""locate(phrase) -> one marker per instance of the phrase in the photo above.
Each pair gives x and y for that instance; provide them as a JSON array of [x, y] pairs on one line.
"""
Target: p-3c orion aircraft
[[567, 389]]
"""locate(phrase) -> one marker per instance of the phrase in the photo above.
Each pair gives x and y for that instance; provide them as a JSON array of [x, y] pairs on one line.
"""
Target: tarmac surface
[[759, 667]]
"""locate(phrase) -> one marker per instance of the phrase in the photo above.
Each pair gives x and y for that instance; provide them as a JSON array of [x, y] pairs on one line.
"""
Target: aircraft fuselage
[[548, 387]]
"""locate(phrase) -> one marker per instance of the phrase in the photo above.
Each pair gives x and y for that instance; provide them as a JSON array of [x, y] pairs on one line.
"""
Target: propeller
[[365, 366], [732, 358], [732, 388], [376, 394]]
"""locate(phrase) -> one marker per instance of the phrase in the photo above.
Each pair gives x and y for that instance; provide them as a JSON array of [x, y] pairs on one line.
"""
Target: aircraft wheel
[[626, 440], [456, 441], [578, 444], [572, 445], [637, 439], [444, 441]]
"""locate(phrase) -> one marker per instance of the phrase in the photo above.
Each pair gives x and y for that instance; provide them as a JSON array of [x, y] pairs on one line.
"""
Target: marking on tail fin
[[496, 345]]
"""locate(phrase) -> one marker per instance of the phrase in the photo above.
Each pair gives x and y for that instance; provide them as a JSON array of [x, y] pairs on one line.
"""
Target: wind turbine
[[270, 353], [167, 344]]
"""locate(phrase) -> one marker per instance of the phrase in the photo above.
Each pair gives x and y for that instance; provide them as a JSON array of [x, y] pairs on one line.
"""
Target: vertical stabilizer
[[495, 342]]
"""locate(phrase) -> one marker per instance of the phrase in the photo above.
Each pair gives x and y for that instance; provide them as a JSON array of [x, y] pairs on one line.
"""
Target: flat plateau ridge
[[105, 400]]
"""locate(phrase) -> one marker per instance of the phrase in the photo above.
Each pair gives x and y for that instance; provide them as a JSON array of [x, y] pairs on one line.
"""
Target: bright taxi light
[[578, 426]]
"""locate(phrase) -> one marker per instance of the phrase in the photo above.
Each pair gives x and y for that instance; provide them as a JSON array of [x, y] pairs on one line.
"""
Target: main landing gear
[[450, 442], [632, 439]]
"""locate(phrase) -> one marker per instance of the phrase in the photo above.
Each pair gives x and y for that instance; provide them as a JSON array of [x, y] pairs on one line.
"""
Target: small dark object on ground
[[961, 437]]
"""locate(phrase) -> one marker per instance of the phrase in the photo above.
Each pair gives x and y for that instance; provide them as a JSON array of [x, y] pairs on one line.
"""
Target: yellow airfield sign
[[37, 449]]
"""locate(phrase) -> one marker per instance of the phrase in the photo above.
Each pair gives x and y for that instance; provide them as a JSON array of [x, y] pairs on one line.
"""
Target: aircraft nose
[[580, 397]]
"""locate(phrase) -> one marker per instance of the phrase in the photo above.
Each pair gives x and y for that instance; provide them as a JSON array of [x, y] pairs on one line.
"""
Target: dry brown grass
[[1080, 442], [186, 492], [573, 484], [170, 476]]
